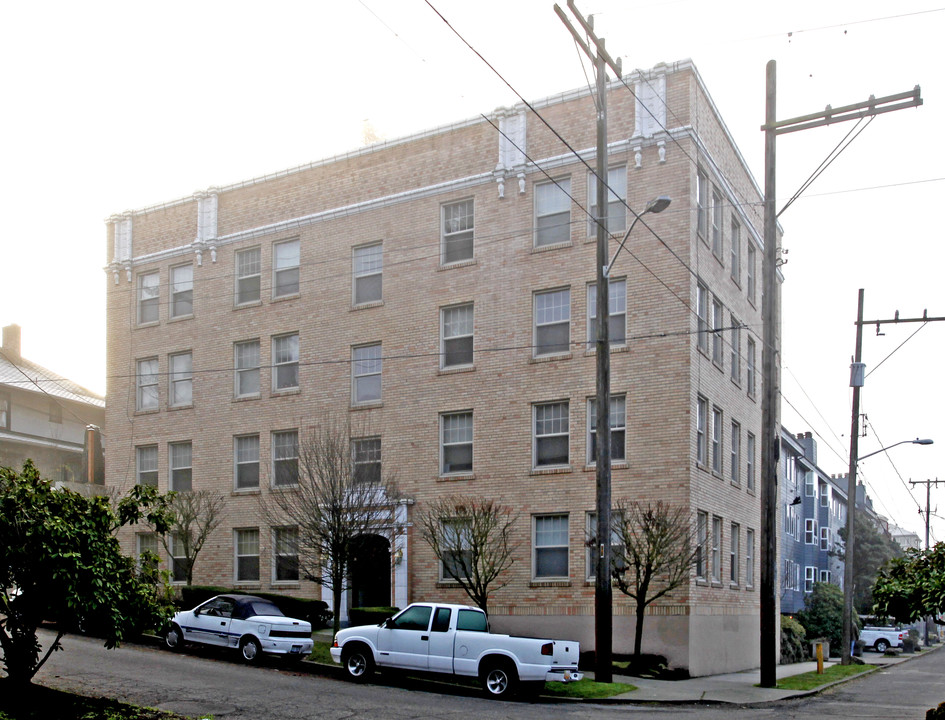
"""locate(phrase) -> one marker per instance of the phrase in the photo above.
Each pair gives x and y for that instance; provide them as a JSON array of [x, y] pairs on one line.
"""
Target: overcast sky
[[111, 106]]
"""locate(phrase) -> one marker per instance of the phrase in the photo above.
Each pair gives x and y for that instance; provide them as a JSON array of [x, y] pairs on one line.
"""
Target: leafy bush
[[370, 615], [822, 616], [793, 640], [937, 713], [315, 611]]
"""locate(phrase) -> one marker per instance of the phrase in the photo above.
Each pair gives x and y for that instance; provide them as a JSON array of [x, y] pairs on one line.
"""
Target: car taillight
[[548, 649], [335, 644]]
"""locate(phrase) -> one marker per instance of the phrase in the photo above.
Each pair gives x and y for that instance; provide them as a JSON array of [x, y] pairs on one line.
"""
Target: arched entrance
[[370, 572]]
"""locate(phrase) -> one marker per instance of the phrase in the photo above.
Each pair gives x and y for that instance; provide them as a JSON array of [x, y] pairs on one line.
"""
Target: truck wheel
[[250, 650], [357, 661], [174, 638], [498, 678], [881, 646]]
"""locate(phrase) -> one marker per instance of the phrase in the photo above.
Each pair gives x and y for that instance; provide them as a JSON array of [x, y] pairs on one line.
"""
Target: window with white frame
[[750, 272], [368, 274], [551, 434], [702, 203], [147, 543], [736, 244], [824, 494], [809, 483], [616, 313], [736, 357], [177, 553], [702, 420], [735, 442], [616, 195], [716, 549], [246, 547], [149, 298], [366, 460], [618, 429], [456, 336], [550, 546], [248, 275], [246, 368], [716, 215], [285, 362], [181, 379], [750, 462], [750, 367], [146, 470], [825, 576], [553, 212], [456, 558], [182, 291], [146, 381], [749, 558], [810, 531], [702, 315], [456, 238], [285, 554], [181, 466], [825, 538], [246, 461], [810, 577], [4, 411], [702, 543], [618, 551], [734, 542], [367, 364], [717, 440], [718, 323], [285, 458], [285, 269], [552, 322], [456, 442]]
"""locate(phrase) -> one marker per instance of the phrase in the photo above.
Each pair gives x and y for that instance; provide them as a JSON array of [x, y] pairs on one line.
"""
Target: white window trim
[[443, 444], [535, 324], [174, 291], [237, 555], [237, 277], [445, 235], [359, 275], [535, 435], [459, 336], [276, 270], [177, 378], [534, 542], [355, 375]]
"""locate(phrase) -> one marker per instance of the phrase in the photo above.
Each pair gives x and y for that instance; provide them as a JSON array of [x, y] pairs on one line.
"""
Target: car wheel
[[498, 679], [250, 650], [357, 661], [881, 646], [174, 638]]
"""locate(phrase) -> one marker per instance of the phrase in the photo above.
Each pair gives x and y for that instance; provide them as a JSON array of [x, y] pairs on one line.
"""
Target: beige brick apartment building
[[440, 289]]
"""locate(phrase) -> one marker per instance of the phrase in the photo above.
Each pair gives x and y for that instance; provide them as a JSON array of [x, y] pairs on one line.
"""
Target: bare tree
[[335, 495], [654, 551], [473, 539], [194, 515]]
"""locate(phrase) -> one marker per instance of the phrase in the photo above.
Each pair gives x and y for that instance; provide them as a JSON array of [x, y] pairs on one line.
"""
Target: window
[[366, 460], [414, 618], [702, 418], [825, 576], [248, 276], [749, 558], [702, 203], [285, 458], [456, 443], [285, 362], [702, 543], [456, 239], [716, 215], [810, 575], [147, 543], [456, 336], [736, 460], [702, 315], [457, 557], [809, 483], [4, 411], [736, 243], [553, 213], [716, 549], [366, 373], [285, 551], [750, 462], [149, 297], [181, 462], [716, 440], [717, 323], [750, 367], [146, 461], [147, 384], [181, 380], [616, 313], [736, 358], [618, 554], [750, 272], [368, 267], [734, 542], [246, 461], [285, 269], [551, 437], [178, 557], [551, 546], [246, 368], [552, 322], [810, 531], [246, 544], [824, 494], [618, 429], [825, 538], [182, 291], [616, 194], [441, 619]]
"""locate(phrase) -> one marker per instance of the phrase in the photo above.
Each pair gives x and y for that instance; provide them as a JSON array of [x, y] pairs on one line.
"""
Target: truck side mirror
[[388, 623]]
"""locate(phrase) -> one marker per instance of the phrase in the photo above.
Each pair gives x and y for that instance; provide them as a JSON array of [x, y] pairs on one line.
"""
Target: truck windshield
[[472, 620]]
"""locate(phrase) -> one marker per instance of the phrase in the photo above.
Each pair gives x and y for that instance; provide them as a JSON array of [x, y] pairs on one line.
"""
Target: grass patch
[[41, 703], [812, 681], [321, 653], [589, 689]]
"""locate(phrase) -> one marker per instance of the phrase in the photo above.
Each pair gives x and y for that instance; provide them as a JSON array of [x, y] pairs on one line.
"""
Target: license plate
[[296, 649]]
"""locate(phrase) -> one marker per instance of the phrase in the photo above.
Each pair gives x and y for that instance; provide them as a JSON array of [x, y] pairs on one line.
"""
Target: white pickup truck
[[455, 639], [881, 638]]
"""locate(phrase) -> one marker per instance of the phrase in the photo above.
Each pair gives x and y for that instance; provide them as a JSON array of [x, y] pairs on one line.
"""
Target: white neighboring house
[[906, 538], [46, 418]]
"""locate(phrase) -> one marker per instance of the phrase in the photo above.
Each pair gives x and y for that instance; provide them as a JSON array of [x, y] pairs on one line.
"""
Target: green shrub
[[937, 713], [793, 641], [822, 616], [370, 615]]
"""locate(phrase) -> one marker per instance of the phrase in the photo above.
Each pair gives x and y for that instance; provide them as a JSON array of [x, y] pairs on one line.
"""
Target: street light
[[603, 592], [917, 441]]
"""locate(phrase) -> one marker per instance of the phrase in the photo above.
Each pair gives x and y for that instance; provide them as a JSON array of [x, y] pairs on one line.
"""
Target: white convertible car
[[248, 623]]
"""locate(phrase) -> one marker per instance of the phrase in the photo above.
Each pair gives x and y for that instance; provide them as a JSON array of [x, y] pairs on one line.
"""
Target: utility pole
[[928, 514], [770, 431], [603, 590]]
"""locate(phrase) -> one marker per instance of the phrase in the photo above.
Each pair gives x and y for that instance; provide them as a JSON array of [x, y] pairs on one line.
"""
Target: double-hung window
[[551, 434], [366, 367], [178, 557], [457, 557], [182, 291], [368, 273], [246, 546], [616, 313], [248, 276], [456, 442], [181, 380], [285, 269], [618, 429], [456, 336], [553, 212], [616, 195], [149, 298], [749, 558], [750, 272], [4, 411], [734, 541], [618, 549], [246, 368], [810, 577], [736, 356], [702, 437], [750, 462], [702, 204], [716, 440], [717, 324], [246, 461], [285, 458], [810, 531], [366, 460], [825, 538], [285, 362], [702, 316], [736, 243], [750, 366], [550, 544], [702, 543], [146, 381], [285, 551], [552, 322], [716, 216], [147, 465], [456, 241], [736, 460], [716, 549], [181, 464]]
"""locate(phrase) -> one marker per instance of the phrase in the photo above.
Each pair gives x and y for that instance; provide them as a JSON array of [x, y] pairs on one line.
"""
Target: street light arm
[[656, 205], [917, 441]]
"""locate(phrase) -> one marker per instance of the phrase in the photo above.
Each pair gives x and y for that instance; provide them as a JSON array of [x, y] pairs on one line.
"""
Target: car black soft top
[[249, 605]]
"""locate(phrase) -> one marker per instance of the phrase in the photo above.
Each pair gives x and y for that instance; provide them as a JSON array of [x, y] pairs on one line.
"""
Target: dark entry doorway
[[370, 572]]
